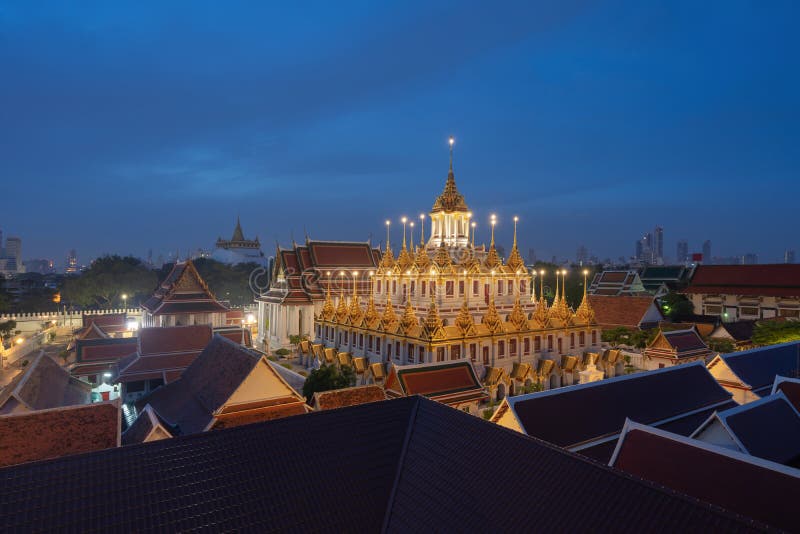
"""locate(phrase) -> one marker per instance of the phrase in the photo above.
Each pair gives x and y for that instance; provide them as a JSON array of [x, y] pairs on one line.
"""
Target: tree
[[107, 279], [616, 336], [773, 332], [720, 345], [328, 377], [227, 282], [676, 306], [6, 329]]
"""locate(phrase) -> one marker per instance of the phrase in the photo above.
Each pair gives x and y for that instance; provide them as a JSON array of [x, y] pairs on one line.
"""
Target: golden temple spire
[[450, 200], [492, 319], [327, 308], [515, 262], [517, 317], [585, 312], [556, 298], [341, 310], [464, 320], [432, 320], [371, 315], [355, 311], [422, 260], [388, 318], [409, 320]]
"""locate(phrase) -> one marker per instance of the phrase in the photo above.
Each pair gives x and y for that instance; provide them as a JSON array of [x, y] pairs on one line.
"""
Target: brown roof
[[56, 432], [104, 350], [45, 384], [161, 340], [339, 398], [108, 322], [450, 382], [183, 291], [191, 402], [743, 484], [392, 466], [778, 280], [264, 413], [624, 310]]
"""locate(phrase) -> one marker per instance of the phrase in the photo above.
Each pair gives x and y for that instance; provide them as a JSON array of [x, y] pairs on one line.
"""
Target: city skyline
[[586, 123]]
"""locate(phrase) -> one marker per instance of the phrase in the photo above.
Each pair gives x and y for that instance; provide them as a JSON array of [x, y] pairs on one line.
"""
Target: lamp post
[[411, 224], [474, 225], [422, 229], [493, 221], [404, 220], [125, 301]]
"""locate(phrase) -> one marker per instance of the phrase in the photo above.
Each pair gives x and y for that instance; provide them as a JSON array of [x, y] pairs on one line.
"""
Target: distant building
[[11, 257], [658, 246], [707, 252], [40, 266], [788, 256], [72, 262], [682, 253], [612, 283], [237, 249], [746, 291], [582, 255], [675, 347], [750, 259]]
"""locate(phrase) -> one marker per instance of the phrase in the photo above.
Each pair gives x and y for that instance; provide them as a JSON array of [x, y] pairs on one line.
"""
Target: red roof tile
[[174, 339], [57, 432], [622, 310], [339, 398], [782, 280]]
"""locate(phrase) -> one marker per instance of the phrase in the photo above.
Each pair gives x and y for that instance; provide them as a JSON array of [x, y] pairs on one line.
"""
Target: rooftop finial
[[452, 142]]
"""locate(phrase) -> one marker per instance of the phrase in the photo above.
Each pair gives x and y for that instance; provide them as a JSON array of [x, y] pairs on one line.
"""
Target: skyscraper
[[788, 256], [582, 255], [658, 246], [682, 255], [72, 262], [14, 250], [707, 252]]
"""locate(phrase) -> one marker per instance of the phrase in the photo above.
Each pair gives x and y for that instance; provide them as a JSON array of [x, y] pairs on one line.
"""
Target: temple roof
[[399, 474], [183, 291], [450, 200], [45, 384]]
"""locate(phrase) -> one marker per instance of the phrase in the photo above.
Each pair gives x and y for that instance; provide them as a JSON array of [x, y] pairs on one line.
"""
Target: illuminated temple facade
[[446, 299]]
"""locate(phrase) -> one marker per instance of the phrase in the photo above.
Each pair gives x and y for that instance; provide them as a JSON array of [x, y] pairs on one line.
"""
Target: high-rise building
[[582, 255], [14, 249], [788, 256], [658, 245], [750, 259], [644, 249], [707, 252], [72, 262], [682, 253]]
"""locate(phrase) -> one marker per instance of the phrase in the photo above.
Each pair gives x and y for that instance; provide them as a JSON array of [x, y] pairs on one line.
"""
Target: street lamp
[[125, 301]]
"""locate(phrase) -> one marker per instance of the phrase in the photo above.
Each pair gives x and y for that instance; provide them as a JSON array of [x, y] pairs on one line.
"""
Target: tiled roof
[[781, 280], [164, 350], [450, 382], [331, 254], [758, 368], [685, 340], [108, 322], [183, 291], [768, 428], [789, 387], [104, 350], [393, 466], [339, 398], [45, 384], [623, 310], [191, 403], [743, 484], [236, 334], [56, 432], [738, 330], [598, 410]]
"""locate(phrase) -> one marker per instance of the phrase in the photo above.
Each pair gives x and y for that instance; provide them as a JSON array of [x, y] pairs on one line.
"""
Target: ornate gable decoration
[[515, 262], [387, 259], [517, 317], [341, 311], [464, 320], [585, 313], [433, 322], [409, 320], [371, 315], [388, 319], [422, 261], [328, 310], [450, 200], [540, 314], [355, 312], [442, 259], [404, 260], [492, 260], [492, 319]]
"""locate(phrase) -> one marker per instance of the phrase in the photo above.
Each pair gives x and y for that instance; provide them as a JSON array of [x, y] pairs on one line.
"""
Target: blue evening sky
[[126, 126]]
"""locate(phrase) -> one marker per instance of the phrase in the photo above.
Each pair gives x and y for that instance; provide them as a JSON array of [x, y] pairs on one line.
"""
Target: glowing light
[[492, 272], [107, 375], [469, 215], [388, 223], [408, 272], [371, 273], [328, 273], [421, 216], [133, 325], [251, 318], [341, 273], [20, 340], [585, 272], [465, 272], [541, 272], [433, 272], [124, 296], [403, 220], [516, 219], [355, 273], [452, 141]]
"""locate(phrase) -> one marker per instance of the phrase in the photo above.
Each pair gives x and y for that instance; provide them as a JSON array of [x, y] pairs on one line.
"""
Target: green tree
[[616, 336], [328, 377], [7, 329], [676, 306], [107, 279], [227, 282], [772, 332], [721, 345]]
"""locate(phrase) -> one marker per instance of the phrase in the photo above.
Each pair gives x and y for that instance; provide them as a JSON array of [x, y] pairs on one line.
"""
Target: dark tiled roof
[[108, 322], [685, 340], [573, 415], [173, 339], [139, 430], [183, 291], [394, 466], [624, 310], [45, 434], [190, 403], [45, 384], [759, 367], [739, 330], [745, 485], [768, 428], [781, 280], [340, 398], [789, 387]]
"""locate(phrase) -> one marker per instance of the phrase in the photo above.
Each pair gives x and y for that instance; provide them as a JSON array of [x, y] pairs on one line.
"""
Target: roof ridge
[[400, 463]]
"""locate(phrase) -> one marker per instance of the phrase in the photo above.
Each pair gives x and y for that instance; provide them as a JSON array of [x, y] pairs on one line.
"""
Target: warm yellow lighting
[[371, 273], [355, 273], [421, 216], [388, 222], [403, 220], [518, 273], [452, 141], [124, 296], [474, 224], [516, 219], [541, 272], [412, 224], [408, 273], [492, 272], [469, 215], [585, 272], [329, 273], [20, 340], [341, 273], [493, 216], [465, 272], [433, 272]]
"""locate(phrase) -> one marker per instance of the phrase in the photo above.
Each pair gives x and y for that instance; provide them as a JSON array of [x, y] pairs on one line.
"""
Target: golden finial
[[491, 318], [493, 221], [404, 220], [517, 316], [432, 320], [452, 142], [422, 229], [409, 320], [388, 318], [341, 310], [411, 224], [474, 225], [464, 319]]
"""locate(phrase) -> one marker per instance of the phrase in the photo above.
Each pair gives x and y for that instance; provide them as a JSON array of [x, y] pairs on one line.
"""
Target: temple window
[[499, 287], [379, 287], [537, 344], [413, 286], [411, 353], [526, 345], [461, 288], [433, 288], [473, 352], [394, 287], [512, 347], [594, 337], [476, 287], [572, 340], [449, 288], [523, 287], [346, 337], [455, 352], [421, 351], [424, 286], [369, 342], [550, 343], [510, 286], [485, 355], [582, 338], [361, 341], [397, 348], [501, 349], [439, 354]]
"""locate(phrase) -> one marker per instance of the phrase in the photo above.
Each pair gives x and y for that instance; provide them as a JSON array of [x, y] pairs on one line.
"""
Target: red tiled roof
[[333, 255], [174, 339], [183, 291], [265, 413], [622, 310], [780, 280], [57, 432], [108, 322], [451, 382], [339, 398], [104, 350], [754, 488]]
